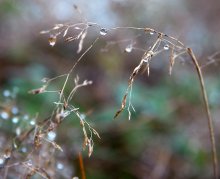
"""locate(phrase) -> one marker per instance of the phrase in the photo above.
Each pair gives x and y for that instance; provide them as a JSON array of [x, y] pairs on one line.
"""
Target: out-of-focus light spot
[[62, 10], [2, 161], [14, 110], [18, 131], [59, 166], [6, 93], [15, 120], [4, 115], [24, 149], [26, 117], [32, 122], [51, 135]]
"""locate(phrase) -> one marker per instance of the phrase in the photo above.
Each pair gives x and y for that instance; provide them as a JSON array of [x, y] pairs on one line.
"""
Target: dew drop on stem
[[103, 31], [44, 80], [77, 28], [151, 33], [129, 48], [52, 40], [146, 60], [7, 154], [166, 47]]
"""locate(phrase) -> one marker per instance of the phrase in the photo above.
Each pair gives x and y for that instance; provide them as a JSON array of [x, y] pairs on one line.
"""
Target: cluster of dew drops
[[12, 115], [130, 47], [103, 32]]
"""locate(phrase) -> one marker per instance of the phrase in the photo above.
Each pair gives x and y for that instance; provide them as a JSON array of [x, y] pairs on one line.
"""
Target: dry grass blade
[[123, 105], [83, 36], [130, 83]]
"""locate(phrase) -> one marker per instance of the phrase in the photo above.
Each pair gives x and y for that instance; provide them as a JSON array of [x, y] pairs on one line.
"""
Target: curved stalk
[[210, 121]]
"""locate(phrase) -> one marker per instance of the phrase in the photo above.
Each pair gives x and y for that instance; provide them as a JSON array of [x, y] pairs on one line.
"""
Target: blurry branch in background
[[213, 59]]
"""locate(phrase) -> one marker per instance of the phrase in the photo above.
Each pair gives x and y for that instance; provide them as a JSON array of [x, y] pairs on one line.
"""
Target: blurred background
[[167, 136]]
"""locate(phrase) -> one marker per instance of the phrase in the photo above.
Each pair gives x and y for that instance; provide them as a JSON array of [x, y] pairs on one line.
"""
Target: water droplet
[[15, 120], [90, 24], [32, 122], [6, 93], [82, 116], [24, 149], [18, 131], [44, 80], [7, 154], [77, 28], [26, 117], [4, 115], [14, 110], [15, 145], [2, 161], [65, 114], [60, 166], [29, 163], [146, 60], [129, 48], [103, 31], [151, 33], [51, 136], [52, 40], [166, 47]]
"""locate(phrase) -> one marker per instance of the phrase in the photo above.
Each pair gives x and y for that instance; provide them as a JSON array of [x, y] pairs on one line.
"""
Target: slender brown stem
[[81, 165], [210, 121]]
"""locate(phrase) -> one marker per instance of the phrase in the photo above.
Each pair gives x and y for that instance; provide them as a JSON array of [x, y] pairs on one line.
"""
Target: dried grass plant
[[77, 33]]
